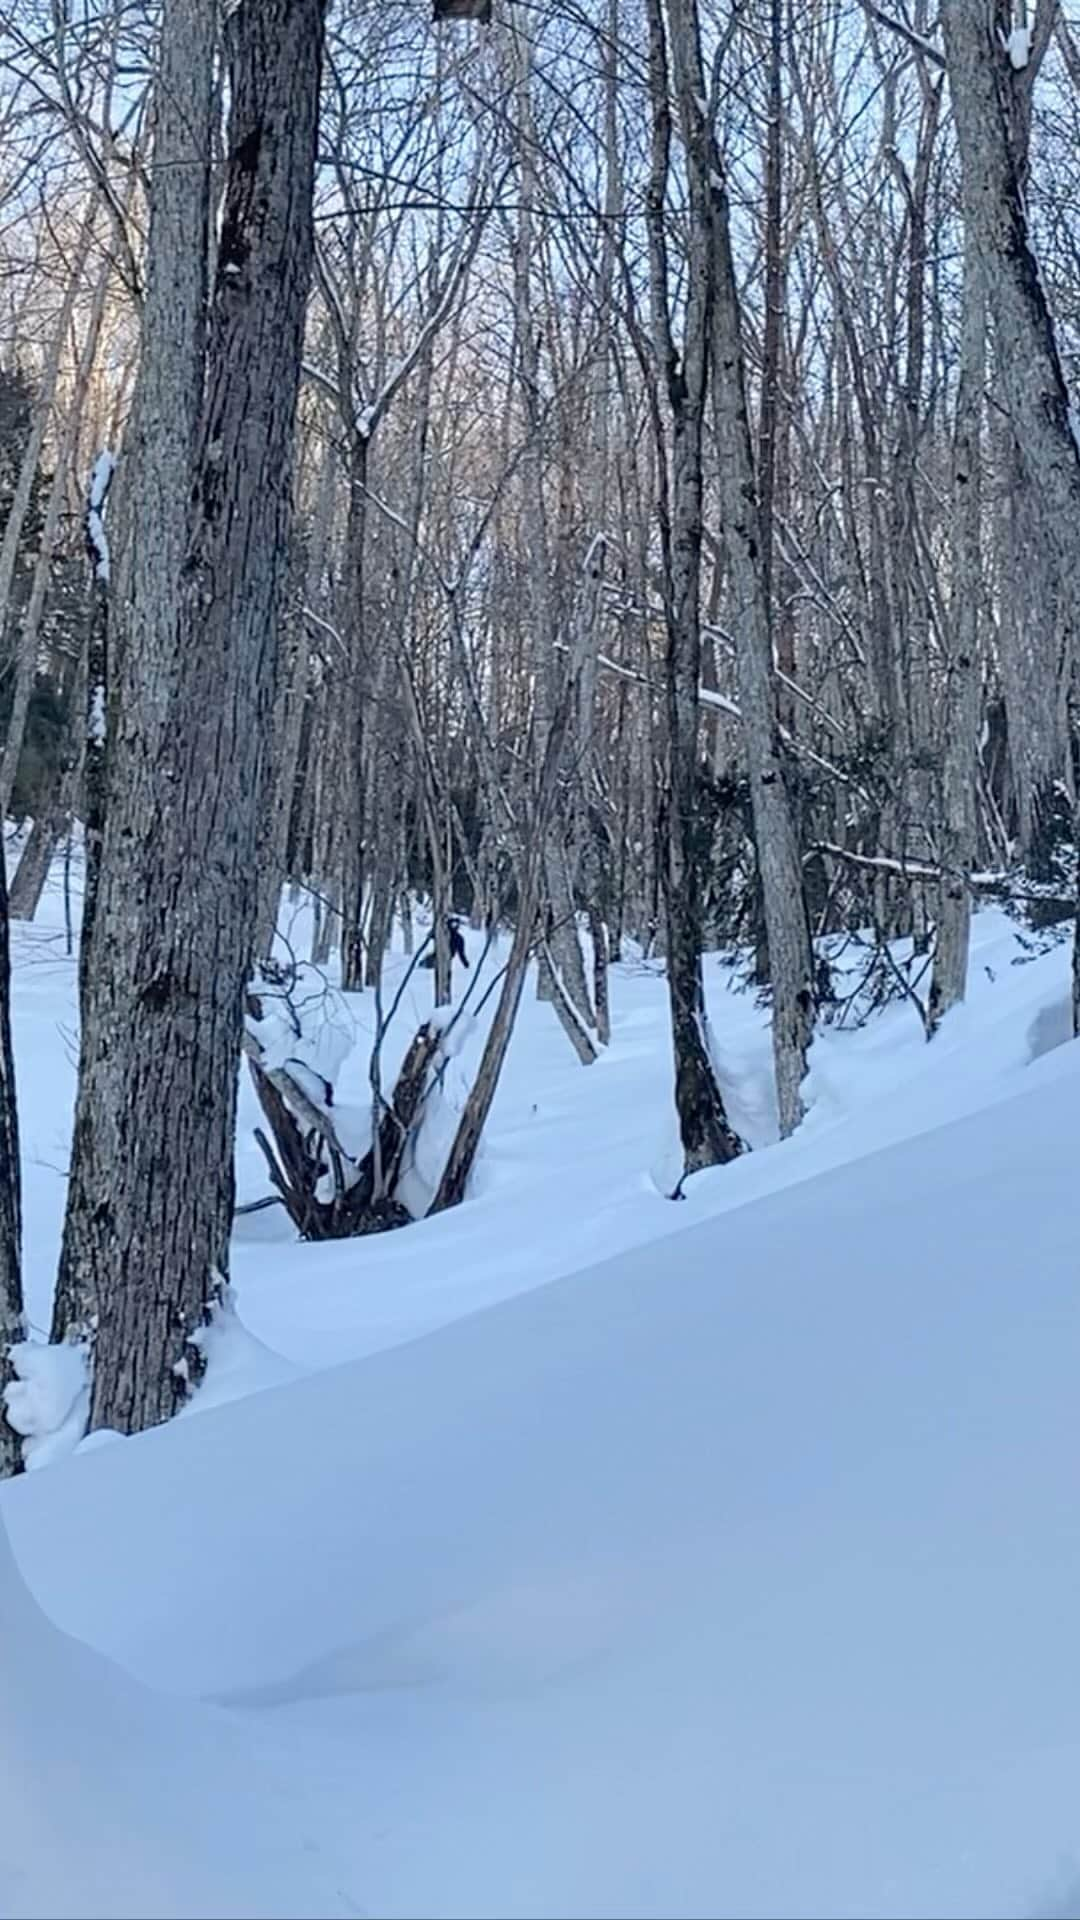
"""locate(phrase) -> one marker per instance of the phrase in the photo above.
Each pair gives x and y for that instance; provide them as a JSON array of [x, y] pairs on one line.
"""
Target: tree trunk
[[31, 457], [350, 826], [791, 969], [565, 956], [290, 700], [151, 1199], [26, 659], [11, 1306], [151, 499], [707, 1138], [990, 95], [963, 699], [459, 1163]]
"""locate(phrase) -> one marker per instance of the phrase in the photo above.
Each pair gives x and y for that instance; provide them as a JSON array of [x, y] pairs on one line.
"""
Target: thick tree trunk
[[151, 1200], [11, 1307], [990, 95], [707, 1138], [791, 970], [150, 500]]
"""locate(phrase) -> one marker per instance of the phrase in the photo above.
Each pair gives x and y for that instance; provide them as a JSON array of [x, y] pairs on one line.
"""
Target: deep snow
[[718, 1558]]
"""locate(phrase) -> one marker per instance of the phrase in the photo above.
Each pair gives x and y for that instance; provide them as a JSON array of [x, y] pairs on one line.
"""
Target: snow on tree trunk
[[151, 1201], [95, 765]]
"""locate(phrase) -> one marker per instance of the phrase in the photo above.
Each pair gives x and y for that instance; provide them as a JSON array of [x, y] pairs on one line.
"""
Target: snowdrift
[[112, 1803], [738, 1575]]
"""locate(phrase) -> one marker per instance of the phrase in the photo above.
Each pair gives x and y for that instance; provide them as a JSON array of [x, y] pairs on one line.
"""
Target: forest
[[597, 475]]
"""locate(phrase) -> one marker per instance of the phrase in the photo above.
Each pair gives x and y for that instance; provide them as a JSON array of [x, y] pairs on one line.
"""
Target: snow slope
[[577, 1162], [738, 1574], [112, 1805]]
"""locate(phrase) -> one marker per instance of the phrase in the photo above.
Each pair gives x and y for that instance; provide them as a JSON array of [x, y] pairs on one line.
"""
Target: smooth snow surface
[[734, 1573]]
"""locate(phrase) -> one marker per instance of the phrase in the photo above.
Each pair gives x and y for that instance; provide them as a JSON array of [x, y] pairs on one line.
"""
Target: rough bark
[[791, 970], [964, 688], [11, 1307], [150, 498], [151, 1197], [990, 98], [95, 756], [707, 1138]]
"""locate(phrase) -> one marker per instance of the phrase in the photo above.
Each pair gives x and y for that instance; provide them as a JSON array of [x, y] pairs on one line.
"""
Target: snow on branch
[[1017, 45], [97, 494]]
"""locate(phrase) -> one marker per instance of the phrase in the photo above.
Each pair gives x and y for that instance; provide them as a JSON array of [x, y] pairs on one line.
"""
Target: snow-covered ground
[[582, 1552]]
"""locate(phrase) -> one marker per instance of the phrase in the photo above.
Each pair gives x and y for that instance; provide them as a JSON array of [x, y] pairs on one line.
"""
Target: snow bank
[[116, 1803], [49, 1400], [737, 1575]]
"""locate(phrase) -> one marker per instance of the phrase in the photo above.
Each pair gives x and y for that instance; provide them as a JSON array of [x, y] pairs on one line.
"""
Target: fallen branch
[[303, 1146]]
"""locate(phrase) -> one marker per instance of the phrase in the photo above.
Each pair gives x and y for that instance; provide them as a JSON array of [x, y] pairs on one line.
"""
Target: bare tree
[[988, 61], [11, 1306], [791, 970], [150, 1207], [949, 980], [707, 1138]]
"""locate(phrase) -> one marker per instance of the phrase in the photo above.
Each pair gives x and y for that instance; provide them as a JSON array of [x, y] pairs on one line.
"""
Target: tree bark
[[990, 97], [953, 938], [11, 1304], [26, 657], [707, 1138], [791, 969], [151, 1200], [149, 518], [31, 458]]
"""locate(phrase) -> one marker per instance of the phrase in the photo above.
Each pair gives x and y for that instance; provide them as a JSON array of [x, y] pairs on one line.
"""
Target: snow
[[97, 539], [113, 1807], [576, 1553], [49, 1399], [96, 723], [1018, 47], [101, 479]]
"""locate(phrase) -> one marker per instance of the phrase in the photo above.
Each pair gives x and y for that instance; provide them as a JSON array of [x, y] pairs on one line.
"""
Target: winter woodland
[[595, 483]]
